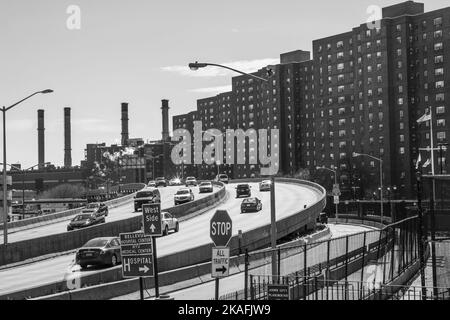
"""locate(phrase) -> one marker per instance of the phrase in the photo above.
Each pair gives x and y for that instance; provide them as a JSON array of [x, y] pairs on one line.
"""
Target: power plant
[[41, 139]]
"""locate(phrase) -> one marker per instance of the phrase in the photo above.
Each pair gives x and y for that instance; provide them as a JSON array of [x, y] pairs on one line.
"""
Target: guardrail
[[27, 249], [61, 216], [252, 240]]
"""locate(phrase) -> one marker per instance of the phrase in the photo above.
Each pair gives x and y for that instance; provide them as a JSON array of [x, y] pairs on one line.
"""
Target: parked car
[[183, 195], [243, 190], [161, 182], [322, 218], [251, 205], [223, 178], [147, 196], [265, 185], [96, 207], [151, 184], [206, 187], [169, 223], [85, 220], [175, 182], [191, 181], [99, 252]]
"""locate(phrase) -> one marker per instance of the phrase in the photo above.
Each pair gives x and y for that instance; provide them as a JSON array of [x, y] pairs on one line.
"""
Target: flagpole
[[432, 142]]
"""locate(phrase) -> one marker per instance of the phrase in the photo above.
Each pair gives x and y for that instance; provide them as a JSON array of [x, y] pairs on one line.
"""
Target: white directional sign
[[336, 200], [152, 219], [220, 262], [137, 255]]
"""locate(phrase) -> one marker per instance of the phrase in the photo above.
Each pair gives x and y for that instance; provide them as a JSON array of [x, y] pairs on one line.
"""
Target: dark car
[[161, 182], [96, 207], [85, 220], [243, 190], [206, 187], [183, 195], [147, 196], [191, 182], [251, 205], [99, 252]]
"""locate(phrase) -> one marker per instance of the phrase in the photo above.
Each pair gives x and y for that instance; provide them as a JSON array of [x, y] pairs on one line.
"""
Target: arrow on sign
[[223, 270], [145, 269], [152, 227]]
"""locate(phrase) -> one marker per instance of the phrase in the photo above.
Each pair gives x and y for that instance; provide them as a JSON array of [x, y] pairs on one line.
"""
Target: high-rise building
[[363, 92]]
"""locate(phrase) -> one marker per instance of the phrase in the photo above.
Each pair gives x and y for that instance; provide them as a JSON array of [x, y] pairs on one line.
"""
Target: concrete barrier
[[252, 240], [23, 250], [63, 215]]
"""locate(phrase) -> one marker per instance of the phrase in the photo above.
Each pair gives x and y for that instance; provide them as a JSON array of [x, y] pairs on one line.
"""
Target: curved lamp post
[[5, 192], [199, 65], [356, 155]]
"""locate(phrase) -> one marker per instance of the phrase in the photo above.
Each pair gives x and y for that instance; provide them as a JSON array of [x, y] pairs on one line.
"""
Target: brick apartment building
[[363, 91]]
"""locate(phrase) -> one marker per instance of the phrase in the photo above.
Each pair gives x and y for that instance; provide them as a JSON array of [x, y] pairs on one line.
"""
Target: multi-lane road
[[193, 232]]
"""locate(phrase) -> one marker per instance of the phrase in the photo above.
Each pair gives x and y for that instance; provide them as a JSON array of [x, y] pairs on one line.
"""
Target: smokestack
[[67, 139], [41, 139], [165, 120], [125, 119]]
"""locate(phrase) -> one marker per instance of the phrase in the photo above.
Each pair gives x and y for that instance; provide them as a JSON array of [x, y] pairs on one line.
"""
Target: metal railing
[[372, 257]]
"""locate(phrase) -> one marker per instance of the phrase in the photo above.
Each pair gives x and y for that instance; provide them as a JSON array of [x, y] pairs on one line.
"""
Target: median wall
[[23, 250]]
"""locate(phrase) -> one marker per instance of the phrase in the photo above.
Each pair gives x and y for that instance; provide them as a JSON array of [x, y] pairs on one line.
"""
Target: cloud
[[247, 66], [212, 89]]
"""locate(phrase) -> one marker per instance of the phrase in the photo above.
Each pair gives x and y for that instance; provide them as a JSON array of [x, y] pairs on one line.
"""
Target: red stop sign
[[221, 228]]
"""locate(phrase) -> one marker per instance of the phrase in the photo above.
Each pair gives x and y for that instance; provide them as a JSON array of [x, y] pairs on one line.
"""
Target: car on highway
[[243, 190], [96, 207], [183, 195], [265, 185], [191, 182], [161, 182], [251, 205], [175, 182], [223, 178], [206, 187], [151, 184], [99, 252], [169, 223], [85, 220], [146, 196]]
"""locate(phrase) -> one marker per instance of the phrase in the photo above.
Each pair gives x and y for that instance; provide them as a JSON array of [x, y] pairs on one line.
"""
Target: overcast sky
[[136, 51]]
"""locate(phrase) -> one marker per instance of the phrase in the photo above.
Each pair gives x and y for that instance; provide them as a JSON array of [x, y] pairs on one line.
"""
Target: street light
[[356, 155], [270, 72], [336, 183], [5, 193]]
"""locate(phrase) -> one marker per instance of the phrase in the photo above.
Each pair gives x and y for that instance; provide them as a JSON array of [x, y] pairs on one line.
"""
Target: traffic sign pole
[[155, 264], [141, 287], [217, 288]]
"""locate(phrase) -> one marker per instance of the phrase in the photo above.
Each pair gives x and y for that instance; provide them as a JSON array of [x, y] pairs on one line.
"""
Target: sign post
[[221, 231], [337, 193], [278, 292], [137, 257], [153, 228]]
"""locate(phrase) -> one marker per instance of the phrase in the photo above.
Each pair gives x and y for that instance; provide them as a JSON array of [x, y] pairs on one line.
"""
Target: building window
[[402, 150], [441, 136], [439, 72], [439, 84], [399, 27], [438, 46], [440, 110], [440, 97], [438, 22]]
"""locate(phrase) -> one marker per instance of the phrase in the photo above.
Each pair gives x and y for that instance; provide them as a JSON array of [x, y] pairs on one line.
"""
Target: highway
[[193, 232], [122, 212]]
